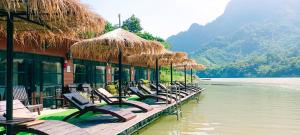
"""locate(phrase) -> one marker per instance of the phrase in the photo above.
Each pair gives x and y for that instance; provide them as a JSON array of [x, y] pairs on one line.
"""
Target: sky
[[161, 17]]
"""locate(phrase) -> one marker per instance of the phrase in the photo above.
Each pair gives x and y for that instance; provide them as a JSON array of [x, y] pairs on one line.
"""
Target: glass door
[[100, 77], [126, 73], [140, 73], [51, 76], [38, 73], [2, 74], [90, 72]]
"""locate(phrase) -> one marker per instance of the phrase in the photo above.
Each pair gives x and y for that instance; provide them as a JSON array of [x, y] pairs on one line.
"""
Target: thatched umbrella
[[115, 44], [42, 17], [105, 47], [190, 65], [165, 58], [160, 59], [48, 21], [178, 58], [183, 64]]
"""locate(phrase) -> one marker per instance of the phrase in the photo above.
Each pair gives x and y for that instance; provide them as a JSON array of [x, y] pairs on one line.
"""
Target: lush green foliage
[[109, 27], [132, 24], [149, 36], [178, 75], [247, 42]]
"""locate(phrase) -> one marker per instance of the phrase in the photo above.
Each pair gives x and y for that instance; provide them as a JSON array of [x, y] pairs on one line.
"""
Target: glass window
[[100, 76], [2, 68], [141, 73], [52, 67], [115, 74], [38, 73], [126, 73], [19, 68], [80, 72], [2, 73], [152, 75], [90, 72], [52, 77]]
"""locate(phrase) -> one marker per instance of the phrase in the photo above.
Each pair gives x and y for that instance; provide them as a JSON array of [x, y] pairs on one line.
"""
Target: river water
[[237, 107]]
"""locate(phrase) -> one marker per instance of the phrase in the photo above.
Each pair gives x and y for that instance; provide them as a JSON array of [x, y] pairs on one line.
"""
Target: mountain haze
[[253, 38]]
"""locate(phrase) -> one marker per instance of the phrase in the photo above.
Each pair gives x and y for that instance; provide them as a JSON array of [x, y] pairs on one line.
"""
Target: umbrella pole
[[185, 77], [120, 77], [191, 76], [171, 67], [157, 77], [9, 77]]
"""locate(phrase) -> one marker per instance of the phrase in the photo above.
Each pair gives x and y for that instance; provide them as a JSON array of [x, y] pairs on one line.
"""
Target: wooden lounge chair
[[160, 85], [72, 88], [19, 93], [111, 100], [149, 91], [182, 87], [142, 95], [164, 89], [88, 89], [191, 86], [39, 127], [83, 105]]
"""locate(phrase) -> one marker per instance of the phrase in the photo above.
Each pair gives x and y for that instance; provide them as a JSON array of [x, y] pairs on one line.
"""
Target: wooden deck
[[107, 125]]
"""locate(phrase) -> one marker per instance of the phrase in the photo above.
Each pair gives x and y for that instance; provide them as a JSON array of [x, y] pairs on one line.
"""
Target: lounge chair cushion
[[80, 100], [105, 92]]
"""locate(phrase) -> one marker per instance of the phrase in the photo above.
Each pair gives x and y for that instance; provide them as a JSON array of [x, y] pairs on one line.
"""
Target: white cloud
[[161, 17]]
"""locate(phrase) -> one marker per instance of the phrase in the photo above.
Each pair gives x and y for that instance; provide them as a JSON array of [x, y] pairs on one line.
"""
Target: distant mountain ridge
[[253, 38]]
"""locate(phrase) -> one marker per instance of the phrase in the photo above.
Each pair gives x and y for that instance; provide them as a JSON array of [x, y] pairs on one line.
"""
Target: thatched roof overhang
[[189, 64], [194, 67], [49, 21], [49, 18], [106, 47], [185, 62], [165, 58]]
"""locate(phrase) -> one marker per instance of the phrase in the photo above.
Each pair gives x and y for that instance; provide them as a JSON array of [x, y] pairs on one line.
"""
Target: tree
[[149, 36], [132, 24], [109, 27], [146, 35]]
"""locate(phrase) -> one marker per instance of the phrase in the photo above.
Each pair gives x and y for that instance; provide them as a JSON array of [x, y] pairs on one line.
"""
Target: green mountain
[[253, 38]]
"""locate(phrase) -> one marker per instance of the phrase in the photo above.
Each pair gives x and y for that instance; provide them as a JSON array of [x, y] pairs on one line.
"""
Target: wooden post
[[9, 70], [191, 76], [171, 68], [119, 16], [156, 76], [120, 77], [185, 78]]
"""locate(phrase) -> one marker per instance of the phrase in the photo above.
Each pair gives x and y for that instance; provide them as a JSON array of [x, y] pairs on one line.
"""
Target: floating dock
[[107, 127]]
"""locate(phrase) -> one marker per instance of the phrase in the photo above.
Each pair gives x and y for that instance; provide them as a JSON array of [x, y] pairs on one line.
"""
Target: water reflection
[[243, 109]]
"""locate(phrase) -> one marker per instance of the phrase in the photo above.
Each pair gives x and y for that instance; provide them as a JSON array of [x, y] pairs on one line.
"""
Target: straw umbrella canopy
[[105, 47], [185, 63], [161, 59], [114, 45], [48, 21], [165, 58], [196, 67], [41, 19], [190, 65]]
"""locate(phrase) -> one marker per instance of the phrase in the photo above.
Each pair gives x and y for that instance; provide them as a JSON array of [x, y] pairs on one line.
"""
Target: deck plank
[[119, 127]]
